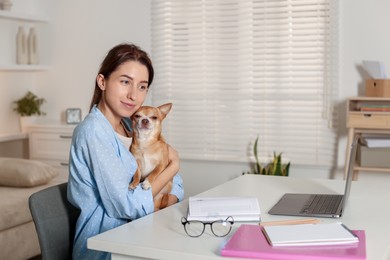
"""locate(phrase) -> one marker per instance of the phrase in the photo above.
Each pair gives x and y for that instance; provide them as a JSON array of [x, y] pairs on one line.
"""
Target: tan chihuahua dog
[[150, 149]]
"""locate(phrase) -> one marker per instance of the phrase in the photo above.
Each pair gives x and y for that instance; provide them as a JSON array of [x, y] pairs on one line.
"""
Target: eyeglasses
[[195, 228]]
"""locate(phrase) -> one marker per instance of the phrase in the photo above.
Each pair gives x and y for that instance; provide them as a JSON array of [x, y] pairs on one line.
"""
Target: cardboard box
[[374, 157], [378, 88]]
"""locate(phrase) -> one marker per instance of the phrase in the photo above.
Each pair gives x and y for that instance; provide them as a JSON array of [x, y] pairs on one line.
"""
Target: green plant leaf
[[29, 105], [277, 164], [286, 169], [276, 167]]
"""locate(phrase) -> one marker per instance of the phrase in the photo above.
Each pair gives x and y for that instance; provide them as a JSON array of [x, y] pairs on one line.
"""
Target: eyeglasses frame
[[229, 219]]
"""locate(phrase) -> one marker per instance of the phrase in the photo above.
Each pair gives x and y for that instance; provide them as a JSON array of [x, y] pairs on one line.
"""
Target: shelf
[[366, 122], [371, 169], [369, 112], [23, 16], [375, 99], [6, 137], [24, 67], [359, 118]]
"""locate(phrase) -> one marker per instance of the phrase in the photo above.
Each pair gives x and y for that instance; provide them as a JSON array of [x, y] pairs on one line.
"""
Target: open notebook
[[317, 205]]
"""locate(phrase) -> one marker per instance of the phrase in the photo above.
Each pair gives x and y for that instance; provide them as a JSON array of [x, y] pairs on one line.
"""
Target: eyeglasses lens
[[221, 228], [194, 228]]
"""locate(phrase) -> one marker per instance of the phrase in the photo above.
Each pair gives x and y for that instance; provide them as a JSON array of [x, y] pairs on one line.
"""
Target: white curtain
[[235, 70]]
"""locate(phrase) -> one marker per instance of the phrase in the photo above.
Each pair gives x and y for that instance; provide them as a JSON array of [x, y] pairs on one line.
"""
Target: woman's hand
[[174, 160], [170, 200]]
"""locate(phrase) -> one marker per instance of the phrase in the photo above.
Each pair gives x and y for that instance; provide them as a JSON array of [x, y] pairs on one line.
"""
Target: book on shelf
[[375, 141], [249, 241], [374, 107], [217, 208], [309, 234]]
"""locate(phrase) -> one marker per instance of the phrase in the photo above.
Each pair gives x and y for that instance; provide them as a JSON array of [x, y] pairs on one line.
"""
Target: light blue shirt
[[101, 168]]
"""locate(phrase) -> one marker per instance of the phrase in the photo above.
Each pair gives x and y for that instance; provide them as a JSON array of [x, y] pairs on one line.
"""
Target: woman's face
[[124, 91]]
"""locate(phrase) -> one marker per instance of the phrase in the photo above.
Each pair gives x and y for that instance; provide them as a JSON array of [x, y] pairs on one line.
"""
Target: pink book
[[249, 242]]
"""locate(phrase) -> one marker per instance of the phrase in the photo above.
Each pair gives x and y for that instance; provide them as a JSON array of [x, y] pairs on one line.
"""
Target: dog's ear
[[165, 109]]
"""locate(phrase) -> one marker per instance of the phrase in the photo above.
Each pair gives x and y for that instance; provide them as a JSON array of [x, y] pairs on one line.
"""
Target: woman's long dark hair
[[117, 56]]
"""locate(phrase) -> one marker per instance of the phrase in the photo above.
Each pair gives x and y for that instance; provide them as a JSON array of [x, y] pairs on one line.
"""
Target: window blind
[[235, 70]]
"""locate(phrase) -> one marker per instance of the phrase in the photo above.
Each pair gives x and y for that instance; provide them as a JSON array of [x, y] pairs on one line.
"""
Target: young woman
[[101, 166]]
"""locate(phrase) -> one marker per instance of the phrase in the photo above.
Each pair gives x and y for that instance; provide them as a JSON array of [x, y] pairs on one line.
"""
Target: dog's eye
[[137, 116], [154, 117]]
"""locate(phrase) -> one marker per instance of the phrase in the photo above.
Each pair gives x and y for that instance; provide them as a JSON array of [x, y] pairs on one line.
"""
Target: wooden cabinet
[[51, 144], [366, 115]]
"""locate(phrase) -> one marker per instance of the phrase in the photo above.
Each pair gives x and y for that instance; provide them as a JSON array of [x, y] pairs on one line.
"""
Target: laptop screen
[[351, 165]]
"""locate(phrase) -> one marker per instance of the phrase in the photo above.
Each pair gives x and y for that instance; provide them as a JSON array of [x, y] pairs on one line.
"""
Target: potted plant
[[28, 107], [275, 167]]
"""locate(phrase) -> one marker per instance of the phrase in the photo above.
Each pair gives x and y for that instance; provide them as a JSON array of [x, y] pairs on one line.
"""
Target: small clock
[[73, 115]]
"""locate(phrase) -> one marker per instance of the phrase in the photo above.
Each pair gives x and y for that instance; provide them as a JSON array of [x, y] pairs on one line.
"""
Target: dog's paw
[[146, 185], [132, 186]]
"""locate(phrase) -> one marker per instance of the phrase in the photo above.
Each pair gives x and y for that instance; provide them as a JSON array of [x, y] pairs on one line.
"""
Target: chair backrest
[[55, 221]]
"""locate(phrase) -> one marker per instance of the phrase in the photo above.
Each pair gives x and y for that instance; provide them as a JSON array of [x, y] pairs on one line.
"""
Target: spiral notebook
[[249, 242]]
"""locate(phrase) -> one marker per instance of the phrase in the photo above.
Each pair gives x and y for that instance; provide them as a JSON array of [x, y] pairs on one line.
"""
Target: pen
[[290, 222]]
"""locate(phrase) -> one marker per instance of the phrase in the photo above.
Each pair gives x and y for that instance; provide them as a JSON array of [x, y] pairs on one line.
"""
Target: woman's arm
[[172, 199], [169, 172], [98, 173]]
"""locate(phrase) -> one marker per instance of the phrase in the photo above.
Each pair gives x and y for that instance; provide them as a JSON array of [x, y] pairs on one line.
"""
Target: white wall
[[363, 35], [81, 32], [74, 44]]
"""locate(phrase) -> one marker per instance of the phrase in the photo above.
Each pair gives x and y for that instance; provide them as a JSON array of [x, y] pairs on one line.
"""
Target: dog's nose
[[145, 121]]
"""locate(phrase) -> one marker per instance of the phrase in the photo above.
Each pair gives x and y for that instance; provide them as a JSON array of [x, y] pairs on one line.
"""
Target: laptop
[[317, 205]]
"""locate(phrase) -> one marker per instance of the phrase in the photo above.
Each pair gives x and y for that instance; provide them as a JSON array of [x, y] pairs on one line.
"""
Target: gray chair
[[55, 221]]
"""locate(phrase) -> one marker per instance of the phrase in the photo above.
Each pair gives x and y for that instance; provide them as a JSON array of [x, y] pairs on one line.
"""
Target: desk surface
[[161, 235]]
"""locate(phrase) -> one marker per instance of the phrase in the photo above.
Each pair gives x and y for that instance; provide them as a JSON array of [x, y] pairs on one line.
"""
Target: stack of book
[[375, 107], [303, 242], [218, 208], [309, 234], [375, 141]]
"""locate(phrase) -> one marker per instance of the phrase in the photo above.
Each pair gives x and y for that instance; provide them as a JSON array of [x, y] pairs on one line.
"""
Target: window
[[235, 70]]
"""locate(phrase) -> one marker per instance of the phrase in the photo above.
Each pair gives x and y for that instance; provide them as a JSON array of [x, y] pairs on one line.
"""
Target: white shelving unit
[[24, 18], [365, 122], [24, 67]]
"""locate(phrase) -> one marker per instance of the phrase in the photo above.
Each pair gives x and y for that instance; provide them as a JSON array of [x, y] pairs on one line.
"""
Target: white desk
[[161, 235]]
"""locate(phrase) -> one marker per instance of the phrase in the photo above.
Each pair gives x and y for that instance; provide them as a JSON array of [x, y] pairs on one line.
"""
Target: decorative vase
[[26, 121], [32, 47], [21, 46], [6, 5]]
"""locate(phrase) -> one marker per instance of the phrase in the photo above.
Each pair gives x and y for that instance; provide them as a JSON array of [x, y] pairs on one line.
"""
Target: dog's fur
[[150, 149]]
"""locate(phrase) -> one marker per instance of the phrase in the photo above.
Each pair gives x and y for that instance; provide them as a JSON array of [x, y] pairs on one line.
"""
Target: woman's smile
[[128, 105]]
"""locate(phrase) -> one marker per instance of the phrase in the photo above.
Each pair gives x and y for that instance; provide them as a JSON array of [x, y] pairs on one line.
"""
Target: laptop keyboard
[[322, 204]]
